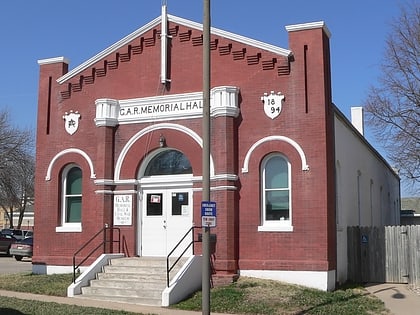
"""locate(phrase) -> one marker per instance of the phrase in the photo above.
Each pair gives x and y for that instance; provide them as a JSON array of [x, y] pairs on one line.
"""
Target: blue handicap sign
[[365, 239]]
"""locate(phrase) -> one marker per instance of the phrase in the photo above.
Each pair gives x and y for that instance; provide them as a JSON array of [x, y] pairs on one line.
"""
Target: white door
[[166, 218]]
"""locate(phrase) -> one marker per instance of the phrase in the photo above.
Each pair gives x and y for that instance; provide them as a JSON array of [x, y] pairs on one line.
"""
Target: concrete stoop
[[136, 280]]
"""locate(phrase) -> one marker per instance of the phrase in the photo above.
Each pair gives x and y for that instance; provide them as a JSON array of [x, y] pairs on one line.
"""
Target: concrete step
[[120, 299], [131, 276], [127, 292], [138, 280], [139, 261], [153, 262], [134, 269], [134, 285]]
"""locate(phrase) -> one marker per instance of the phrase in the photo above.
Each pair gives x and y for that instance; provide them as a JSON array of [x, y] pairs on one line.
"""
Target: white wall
[[368, 190]]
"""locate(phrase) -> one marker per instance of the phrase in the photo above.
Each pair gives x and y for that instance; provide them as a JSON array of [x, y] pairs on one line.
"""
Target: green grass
[[14, 306], [264, 297], [55, 285], [246, 296]]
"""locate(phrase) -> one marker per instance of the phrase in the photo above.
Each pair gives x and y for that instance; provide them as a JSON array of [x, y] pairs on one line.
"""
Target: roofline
[[309, 26], [339, 114], [52, 60], [175, 19], [236, 37]]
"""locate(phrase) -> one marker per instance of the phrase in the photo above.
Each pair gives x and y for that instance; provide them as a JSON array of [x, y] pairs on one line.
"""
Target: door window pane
[[154, 204], [178, 201]]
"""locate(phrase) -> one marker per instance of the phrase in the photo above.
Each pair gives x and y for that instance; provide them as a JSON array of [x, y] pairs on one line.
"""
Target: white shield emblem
[[71, 121], [272, 104]]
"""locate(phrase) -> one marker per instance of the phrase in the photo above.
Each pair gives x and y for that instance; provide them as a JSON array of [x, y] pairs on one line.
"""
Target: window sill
[[263, 228], [77, 227]]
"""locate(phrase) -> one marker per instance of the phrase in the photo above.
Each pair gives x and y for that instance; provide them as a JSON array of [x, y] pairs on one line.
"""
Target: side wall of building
[[368, 189]]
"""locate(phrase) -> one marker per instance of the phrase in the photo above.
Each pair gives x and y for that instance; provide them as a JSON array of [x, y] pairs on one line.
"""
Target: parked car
[[22, 248], [18, 234], [6, 242]]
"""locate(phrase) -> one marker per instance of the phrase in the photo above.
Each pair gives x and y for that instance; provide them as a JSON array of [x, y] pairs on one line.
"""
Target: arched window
[[71, 208], [276, 194], [168, 162]]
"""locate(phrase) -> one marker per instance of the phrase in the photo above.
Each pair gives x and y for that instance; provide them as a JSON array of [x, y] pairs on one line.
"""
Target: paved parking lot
[[10, 265]]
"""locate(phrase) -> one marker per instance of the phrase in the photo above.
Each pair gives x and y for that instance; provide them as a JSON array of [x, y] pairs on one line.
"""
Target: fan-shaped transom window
[[168, 162]]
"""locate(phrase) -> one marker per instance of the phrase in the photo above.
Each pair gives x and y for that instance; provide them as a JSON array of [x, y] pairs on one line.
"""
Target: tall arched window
[[71, 208], [276, 194]]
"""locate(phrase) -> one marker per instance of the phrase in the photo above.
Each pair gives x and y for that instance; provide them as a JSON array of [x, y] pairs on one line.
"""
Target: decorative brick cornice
[[233, 48]]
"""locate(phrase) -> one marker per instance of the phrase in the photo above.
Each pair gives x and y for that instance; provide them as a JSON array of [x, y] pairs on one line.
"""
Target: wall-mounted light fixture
[[162, 141]]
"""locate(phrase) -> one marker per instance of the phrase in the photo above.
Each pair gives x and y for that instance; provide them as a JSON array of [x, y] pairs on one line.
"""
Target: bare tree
[[17, 169], [393, 106]]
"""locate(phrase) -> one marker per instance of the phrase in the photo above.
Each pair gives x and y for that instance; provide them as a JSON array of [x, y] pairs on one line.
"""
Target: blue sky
[[79, 29]]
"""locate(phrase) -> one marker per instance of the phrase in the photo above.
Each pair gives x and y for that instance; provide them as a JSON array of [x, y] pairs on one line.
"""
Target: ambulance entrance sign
[[208, 214]]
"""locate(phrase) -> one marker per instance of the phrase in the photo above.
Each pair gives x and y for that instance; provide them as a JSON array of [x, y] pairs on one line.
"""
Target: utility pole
[[206, 156]]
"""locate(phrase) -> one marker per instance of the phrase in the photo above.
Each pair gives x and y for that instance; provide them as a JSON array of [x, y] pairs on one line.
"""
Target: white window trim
[[265, 228], [67, 226], [275, 226]]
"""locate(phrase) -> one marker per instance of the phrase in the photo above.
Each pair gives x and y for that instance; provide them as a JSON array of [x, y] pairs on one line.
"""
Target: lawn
[[14, 306], [246, 296]]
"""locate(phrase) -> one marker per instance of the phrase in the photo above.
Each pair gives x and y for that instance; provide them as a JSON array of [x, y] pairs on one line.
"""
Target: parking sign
[[208, 213]]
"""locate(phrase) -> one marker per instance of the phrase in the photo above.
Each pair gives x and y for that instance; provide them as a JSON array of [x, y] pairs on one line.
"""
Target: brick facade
[[132, 70]]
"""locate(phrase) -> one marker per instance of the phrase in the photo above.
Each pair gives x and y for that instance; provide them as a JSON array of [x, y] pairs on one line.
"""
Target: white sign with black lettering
[[123, 205]]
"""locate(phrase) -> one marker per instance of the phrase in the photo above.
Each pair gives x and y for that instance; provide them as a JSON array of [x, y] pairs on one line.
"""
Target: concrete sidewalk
[[398, 298], [139, 309]]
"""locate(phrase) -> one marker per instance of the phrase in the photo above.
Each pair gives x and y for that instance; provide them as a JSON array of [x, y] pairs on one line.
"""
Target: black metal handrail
[[103, 243], [169, 268]]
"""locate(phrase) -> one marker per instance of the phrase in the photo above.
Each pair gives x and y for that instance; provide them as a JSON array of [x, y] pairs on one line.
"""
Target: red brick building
[[119, 143]]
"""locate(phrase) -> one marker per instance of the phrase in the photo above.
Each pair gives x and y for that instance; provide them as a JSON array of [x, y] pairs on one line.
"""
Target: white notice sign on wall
[[123, 205]]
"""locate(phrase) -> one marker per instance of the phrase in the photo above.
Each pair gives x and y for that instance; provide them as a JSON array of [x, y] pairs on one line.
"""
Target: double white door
[[166, 217]]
